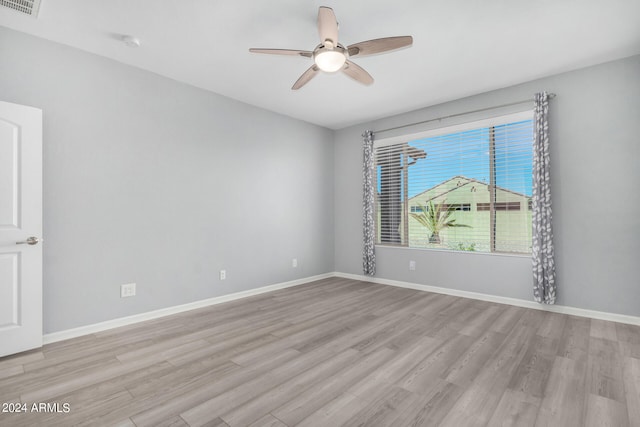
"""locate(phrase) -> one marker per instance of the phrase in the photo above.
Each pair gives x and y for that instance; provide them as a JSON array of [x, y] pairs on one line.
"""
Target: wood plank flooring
[[336, 352]]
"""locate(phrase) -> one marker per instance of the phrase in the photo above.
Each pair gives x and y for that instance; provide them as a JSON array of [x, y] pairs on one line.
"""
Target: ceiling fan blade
[[282, 52], [305, 77], [357, 73], [371, 47], [327, 25]]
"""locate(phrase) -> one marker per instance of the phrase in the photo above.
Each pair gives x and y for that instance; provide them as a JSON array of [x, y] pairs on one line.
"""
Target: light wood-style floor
[[338, 352]]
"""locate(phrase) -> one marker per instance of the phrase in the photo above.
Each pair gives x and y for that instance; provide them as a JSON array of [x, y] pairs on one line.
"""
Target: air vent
[[28, 7]]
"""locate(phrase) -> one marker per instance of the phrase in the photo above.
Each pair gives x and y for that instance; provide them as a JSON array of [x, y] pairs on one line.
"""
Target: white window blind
[[464, 188]]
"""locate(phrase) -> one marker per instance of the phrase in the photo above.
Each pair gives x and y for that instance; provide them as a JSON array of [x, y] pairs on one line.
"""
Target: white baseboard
[[129, 320], [601, 315]]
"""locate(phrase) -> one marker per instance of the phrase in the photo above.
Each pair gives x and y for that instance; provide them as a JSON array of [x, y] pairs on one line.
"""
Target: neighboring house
[[471, 200]]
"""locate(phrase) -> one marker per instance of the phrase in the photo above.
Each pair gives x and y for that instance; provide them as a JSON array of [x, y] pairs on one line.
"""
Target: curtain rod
[[550, 95]]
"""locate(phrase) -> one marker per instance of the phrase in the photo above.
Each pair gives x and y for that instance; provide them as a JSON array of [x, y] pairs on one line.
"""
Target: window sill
[[501, 254]]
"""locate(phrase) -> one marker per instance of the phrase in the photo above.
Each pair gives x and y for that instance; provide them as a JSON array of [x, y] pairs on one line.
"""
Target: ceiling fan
[[330, 56]]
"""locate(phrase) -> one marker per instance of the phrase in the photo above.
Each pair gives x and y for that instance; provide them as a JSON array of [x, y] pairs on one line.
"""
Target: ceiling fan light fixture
[[330, 61]]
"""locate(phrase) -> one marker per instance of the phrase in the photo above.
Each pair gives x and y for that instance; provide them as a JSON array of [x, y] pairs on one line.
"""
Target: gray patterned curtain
[[544, 272], [368, 200]]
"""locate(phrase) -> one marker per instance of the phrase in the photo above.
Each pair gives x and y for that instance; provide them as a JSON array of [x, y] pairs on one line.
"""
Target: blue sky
[[467, 153]]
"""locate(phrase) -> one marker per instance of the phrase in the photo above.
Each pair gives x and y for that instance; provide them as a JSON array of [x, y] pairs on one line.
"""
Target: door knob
[[30, 241]]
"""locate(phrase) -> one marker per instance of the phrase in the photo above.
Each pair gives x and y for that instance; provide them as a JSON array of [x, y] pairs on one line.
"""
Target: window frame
[[497, 120]]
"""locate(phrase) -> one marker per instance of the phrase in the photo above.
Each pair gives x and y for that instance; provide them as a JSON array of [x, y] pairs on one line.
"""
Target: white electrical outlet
[[128, 290], [223, 274], [412, 265], [294, 262]]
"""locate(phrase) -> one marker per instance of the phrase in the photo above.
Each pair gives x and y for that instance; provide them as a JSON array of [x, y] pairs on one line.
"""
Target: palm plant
[[437, 218]]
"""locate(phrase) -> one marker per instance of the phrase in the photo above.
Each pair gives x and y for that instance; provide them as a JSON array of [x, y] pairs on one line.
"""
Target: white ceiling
[[461, 47]]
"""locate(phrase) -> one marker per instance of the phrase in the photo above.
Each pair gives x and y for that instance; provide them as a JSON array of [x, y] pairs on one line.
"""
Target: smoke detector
[[28, 7], [131, 41]]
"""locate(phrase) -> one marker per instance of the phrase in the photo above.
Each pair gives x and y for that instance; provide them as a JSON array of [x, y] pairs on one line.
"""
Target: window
[[465, 207], [500, 206], [466, 187]]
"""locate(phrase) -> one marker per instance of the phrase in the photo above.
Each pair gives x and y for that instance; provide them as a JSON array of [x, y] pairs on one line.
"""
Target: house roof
[[469, 181]]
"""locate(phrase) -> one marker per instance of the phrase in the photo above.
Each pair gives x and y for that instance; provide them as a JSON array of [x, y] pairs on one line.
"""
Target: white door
[[20, 221]]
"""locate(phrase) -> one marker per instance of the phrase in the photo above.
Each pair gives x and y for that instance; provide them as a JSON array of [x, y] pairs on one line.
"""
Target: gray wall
[[151, 181], [595, 131]]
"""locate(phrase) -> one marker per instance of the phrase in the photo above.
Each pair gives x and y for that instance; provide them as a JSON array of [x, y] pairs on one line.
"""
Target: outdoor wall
[[513, 227], [151, 181], [595, 152]]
